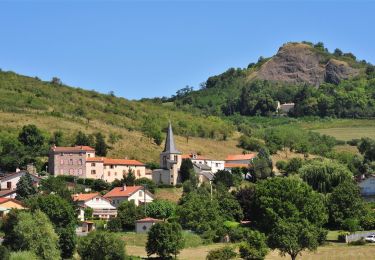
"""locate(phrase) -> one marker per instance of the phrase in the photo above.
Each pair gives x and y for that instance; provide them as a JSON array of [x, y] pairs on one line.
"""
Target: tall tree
[[101, 146], [254, 247], [25, 187], [186, 169], [32, 138]]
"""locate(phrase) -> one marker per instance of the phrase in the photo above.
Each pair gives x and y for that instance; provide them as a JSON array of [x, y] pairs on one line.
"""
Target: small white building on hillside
[[129, 193], [9, 181]]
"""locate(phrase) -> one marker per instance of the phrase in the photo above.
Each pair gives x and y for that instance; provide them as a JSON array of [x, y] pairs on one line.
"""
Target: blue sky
[[153, 48]]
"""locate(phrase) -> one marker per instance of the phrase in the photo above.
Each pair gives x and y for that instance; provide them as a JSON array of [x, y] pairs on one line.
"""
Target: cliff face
[[300, 63]]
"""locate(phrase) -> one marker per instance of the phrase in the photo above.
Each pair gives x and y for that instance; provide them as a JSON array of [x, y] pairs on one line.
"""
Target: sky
[[141, 49]]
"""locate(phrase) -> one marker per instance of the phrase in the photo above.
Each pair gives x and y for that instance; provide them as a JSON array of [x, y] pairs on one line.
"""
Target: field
[[349, 133]]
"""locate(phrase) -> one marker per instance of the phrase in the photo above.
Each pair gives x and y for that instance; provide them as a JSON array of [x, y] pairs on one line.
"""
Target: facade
[[80, 161], [7, 204], [144, 225], [111, 169], [102, 207], [170, 162], [69, 160], [367, 186], [8, 182], [215, 165], [129, 193]]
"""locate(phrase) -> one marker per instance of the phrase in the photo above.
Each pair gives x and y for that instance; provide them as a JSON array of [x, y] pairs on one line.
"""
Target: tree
[[286, 198], [55, 185], [32, 138], [164, 239], [34, 232], [261, 166], [344, 203], [246, 196], [324, 176], [56, 81], [161, 209], [57, 138], [83, 139], [23, 255], [293, 165], [63, 217], [225, 252], [127, 213], [88, 212], [25, 187], [99, 245], [292, 237], [101, 146], [223, 177], [100, 185], [254, 247], [337, 52], [149, 184], [129, 179], [186, 169], [229, 206]]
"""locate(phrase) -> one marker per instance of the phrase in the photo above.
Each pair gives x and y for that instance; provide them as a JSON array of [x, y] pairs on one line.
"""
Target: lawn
[[349, 133], [171, 194]]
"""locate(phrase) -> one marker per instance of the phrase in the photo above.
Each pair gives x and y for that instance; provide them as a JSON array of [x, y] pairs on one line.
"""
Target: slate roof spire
[[169, 142]]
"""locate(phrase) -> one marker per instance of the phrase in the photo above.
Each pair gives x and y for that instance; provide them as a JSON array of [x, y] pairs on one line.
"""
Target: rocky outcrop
[[300, 63]]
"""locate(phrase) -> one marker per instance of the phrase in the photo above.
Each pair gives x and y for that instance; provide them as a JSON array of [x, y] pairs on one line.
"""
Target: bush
[[351, 224], [101, 245], [360, 242], [226, 253], [23, 255], [4, 252], [342, 236]]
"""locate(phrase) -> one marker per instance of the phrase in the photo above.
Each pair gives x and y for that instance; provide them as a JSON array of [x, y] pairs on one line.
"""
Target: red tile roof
[[239, 157], [149, 220], [72, 148], [236, 165], [110, 161], [121, 192], [84, 196], [3, 200]]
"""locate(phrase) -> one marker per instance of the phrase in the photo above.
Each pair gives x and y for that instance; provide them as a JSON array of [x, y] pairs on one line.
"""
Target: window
[[62, 161], [109, 174], [71, 161], [70, 154], [115, 173], [61, 154], [80, 162], [80, 171], [139, 173], [97, 199], [217, 165], [175, 158], [93, 164], [171, 176], [88, 155], [112, 166], [9, 185], [93, 171], [71, 171]]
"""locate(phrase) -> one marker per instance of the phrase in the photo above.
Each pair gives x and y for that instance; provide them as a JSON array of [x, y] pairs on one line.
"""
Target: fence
[[358, 236]]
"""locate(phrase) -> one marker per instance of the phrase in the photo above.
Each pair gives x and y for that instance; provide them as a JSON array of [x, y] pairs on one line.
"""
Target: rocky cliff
[[301, 63]]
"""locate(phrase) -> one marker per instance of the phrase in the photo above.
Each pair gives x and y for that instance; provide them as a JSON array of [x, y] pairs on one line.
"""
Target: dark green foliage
[[281, 166], [186, 170], [287, 198], [293, 166], [245, 196], [344, 203], [149, 184], [165, 239], [114, 225], [254, 247], [88, 213], [230, 208], [98, 245], [324, 176], [225, 252], [359, 242], [101, 146], [99, 185], [4, 253], [129, 179], [63, 217], [250, 143], [224, 177], [83, 139], [127, 214], [57, 139], [261, 166], [367, 148], [25, 187], [56, 185], [32, 138]]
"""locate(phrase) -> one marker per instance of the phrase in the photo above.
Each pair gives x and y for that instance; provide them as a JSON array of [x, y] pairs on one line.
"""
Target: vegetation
[[226, 252]]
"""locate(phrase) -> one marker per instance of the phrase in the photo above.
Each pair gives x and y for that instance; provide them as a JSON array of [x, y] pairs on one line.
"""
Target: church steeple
[[169, 142]]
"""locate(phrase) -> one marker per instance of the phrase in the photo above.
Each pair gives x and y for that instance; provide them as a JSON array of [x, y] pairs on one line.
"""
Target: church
[[170, 162]]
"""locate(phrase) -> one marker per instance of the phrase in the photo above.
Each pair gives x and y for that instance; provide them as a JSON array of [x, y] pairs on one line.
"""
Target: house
[[8, 181], [102, 207], [215, 165], [6, 204], [284, 108], [170, 162], [138, 194], [80, 161], [367, 186], [9, 194], [145, 224], [110, 169], [204, 172]]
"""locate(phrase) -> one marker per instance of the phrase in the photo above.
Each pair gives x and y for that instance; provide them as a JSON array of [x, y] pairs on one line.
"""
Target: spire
[[169, 142]]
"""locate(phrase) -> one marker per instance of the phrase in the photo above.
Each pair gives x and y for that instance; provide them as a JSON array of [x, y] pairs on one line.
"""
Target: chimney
[[124, 187]]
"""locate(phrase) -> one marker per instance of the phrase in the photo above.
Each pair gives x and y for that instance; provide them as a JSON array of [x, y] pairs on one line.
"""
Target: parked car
[[370, 238]]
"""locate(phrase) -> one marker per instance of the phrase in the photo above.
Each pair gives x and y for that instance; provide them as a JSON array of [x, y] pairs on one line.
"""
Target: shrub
[[342, 236], [360, 242], [4, 252], [226, 252], [22, 255]]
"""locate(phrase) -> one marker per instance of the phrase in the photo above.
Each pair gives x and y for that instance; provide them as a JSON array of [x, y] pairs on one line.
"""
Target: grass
[[349, 133], [133, 239], [333, 235], [171, 194]]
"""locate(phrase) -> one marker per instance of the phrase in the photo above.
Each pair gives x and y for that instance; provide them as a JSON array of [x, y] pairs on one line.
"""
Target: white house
[[367, 186], [215, 165], [128, 193], [9, 181], [102, 207]]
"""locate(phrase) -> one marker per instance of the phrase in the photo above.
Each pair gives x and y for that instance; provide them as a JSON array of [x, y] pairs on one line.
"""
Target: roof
[[206, 174], [201, 167], [148, 220], [110, 161], [121, 192], [236, 165], [7, 175], [3, 200], [238, 157], [84, 196], [197, 157], [169, 146], [4, 193], [81, 148]]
